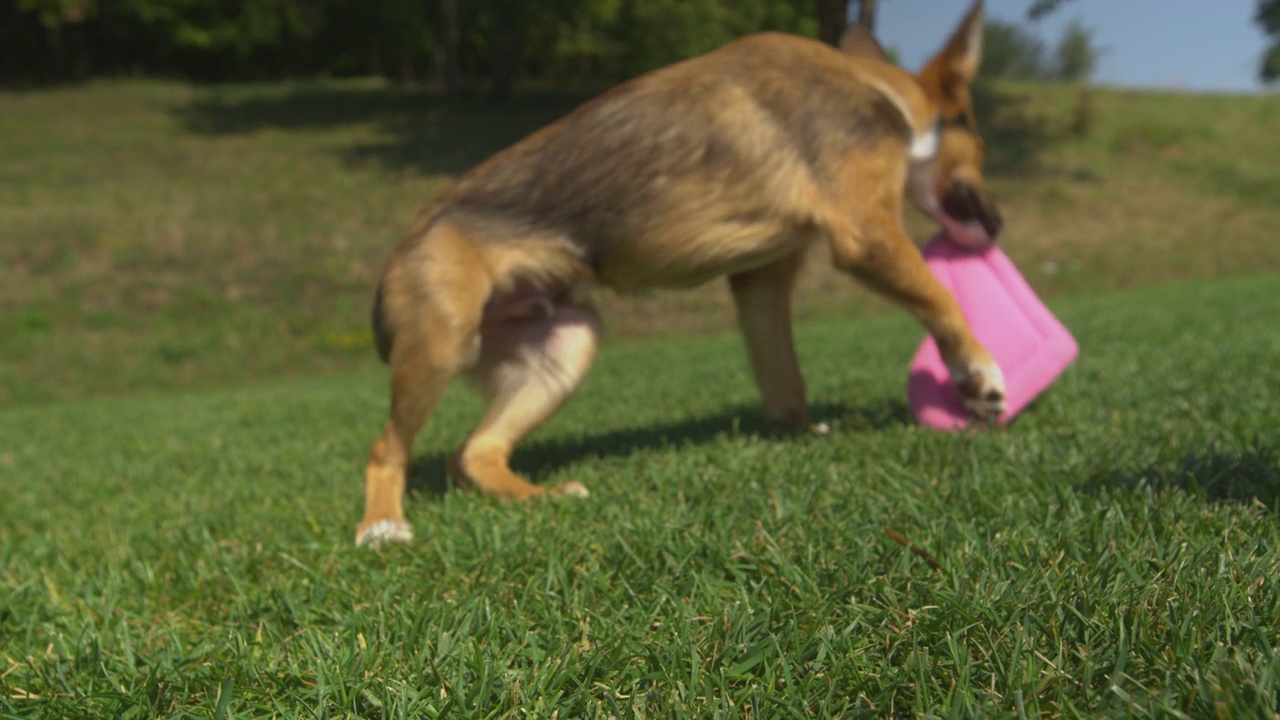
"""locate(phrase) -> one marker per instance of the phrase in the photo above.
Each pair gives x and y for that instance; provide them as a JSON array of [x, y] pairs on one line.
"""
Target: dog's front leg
[[883, 256]]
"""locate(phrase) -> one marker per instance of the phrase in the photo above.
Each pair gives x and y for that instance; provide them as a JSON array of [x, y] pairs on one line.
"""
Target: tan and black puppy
[[730, 164]]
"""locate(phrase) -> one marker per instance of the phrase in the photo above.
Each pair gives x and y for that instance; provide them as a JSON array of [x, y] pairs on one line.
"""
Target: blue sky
[[1194, 45]]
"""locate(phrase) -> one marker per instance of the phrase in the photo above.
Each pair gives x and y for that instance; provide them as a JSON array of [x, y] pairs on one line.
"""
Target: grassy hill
[[1112, 554], [164, 236]]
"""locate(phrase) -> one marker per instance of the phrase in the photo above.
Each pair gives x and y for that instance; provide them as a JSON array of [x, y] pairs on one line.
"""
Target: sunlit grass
[[163, 235], [1110, 554]]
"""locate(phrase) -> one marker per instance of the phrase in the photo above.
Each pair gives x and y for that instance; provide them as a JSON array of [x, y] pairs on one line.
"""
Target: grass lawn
[[1111, 554], [165, 236]]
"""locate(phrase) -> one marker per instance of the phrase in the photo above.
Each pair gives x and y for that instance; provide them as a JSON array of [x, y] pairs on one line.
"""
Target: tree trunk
[[833, 17], [447, 40], [506, 47], [375, 56], [867, 15], [408, 73]]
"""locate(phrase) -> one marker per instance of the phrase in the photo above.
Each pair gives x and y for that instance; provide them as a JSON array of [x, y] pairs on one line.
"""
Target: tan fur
[[730, 164]]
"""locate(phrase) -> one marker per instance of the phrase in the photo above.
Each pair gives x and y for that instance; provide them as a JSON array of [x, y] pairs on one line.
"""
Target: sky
[[1188, 45]]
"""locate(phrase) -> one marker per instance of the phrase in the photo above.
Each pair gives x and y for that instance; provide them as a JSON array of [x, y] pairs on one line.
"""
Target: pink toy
[[1028, 343]]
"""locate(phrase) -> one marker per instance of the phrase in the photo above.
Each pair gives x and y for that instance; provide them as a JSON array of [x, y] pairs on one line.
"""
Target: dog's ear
[[856, 41], [959, 59]]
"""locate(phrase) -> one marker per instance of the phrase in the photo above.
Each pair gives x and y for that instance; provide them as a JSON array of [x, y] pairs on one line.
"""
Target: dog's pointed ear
[[856, 41], [961, 56]]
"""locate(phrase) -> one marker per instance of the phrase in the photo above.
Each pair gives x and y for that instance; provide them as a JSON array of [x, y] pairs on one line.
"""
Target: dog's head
[[946, 180]]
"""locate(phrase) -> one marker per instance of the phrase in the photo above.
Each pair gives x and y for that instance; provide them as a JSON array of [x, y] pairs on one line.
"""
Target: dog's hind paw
[[573, 488], [382, 532]]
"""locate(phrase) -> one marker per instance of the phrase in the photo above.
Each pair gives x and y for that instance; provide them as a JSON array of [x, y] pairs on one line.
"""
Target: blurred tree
[[867, 14], [1076, 56], [1040, 8], [456, 42], [1268, 16], [61, 22], [833, 18], [506, 48], [1011, 52], [218, 40], [448, 36]]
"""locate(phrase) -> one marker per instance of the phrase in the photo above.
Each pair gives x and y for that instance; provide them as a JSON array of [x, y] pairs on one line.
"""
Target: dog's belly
[[678, 261]]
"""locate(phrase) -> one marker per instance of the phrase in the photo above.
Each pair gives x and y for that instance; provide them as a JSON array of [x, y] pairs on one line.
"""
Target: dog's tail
[[382, 337]]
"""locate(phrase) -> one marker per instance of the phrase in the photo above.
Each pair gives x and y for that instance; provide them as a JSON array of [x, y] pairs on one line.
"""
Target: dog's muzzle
[[963, 204]]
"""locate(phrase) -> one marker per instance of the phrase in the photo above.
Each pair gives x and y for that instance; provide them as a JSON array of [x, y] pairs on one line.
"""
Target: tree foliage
[[1013, 52], [1009, 51], [1268, 16], [1040, 8], [455, 41], [1076, 55], [458, 43]]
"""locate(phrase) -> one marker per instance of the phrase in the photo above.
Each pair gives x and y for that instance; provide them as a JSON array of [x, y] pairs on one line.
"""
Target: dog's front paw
[[375, 535], [981, 388]]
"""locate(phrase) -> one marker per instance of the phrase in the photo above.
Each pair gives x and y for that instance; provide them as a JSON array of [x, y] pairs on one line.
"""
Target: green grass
[[161, 235], [164, 236], [207, 255], [1111, 554]]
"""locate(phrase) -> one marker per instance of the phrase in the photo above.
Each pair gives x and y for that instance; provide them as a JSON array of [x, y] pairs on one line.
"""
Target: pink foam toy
[[1029, 344]]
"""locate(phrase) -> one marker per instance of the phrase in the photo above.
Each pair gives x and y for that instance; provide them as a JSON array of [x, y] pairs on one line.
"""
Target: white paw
[[573, 488], [382, 532], [981, 388]]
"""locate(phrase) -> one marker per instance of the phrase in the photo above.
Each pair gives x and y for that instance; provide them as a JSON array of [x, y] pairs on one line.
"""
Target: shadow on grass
[[427, 475], [1245, 475], [410, 128], [405, 127]]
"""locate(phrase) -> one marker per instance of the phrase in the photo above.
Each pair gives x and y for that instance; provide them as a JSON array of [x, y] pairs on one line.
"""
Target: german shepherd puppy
[[729, 164]]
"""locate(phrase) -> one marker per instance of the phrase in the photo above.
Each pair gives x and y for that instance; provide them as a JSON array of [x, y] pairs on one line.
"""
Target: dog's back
[[750, 135]]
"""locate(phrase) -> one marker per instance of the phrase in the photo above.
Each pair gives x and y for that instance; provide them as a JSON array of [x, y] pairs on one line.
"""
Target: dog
[[729, 164]]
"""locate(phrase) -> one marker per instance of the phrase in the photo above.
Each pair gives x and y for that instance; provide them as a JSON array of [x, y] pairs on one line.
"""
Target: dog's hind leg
[[763, 299], [420, 372], [529, 366], [435, 305]]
